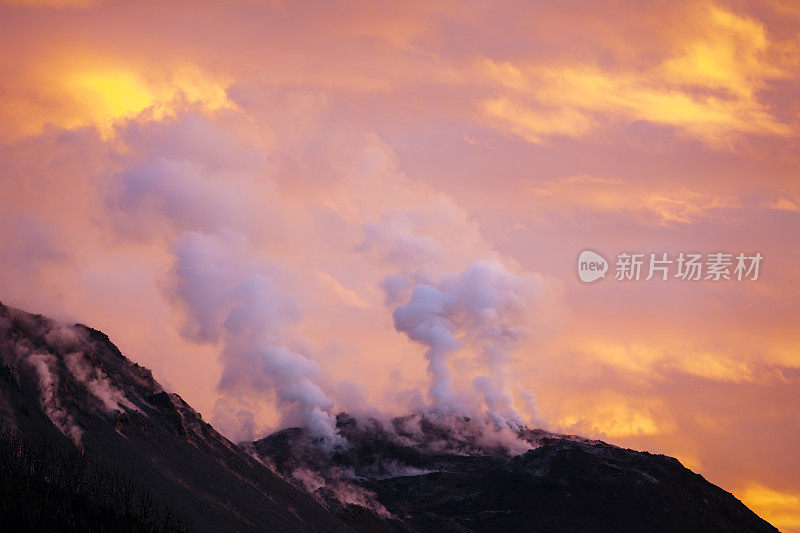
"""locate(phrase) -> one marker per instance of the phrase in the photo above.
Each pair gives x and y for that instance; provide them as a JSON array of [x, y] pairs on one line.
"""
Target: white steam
[[340, 488], [44, 365], [486, 307], [332, 205], [97, 383], [425, 320], [56, 352], [232, 296]]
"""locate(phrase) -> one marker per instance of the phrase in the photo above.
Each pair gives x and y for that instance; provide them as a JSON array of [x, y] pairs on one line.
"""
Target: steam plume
[[43, 365], [231, 295], [96, 382], [487, 307]]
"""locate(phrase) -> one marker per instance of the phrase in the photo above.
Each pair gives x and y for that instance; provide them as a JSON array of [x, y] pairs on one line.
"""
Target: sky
[[289, 209]]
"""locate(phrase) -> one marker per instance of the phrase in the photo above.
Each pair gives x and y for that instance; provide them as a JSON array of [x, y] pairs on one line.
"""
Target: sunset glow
[[346, 175]]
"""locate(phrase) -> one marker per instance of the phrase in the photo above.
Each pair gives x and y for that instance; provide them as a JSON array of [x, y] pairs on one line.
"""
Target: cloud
[[667, 207], [708, 88], [608, 415], [661, 360], [338, 291], [76, 88], [779, 508], [33, 243]]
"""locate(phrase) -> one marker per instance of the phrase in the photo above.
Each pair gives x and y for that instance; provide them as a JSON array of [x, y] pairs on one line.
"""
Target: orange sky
[[326, 147]]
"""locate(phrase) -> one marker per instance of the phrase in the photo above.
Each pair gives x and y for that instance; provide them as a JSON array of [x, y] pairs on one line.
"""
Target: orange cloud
[[780, 508], [661, 358], [709, 88], [70, 91], [609, 415], [665, 207], [736, 57], [338, 292]]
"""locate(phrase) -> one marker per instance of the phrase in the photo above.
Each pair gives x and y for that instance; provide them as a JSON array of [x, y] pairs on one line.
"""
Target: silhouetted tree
[[48, 484]]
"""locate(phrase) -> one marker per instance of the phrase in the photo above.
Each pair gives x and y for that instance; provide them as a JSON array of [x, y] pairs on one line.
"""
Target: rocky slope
[[434, 473], [89, 441], [68, 388]]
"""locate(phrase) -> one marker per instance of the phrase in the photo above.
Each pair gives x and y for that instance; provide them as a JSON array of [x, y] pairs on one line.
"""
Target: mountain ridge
[[433, 471], [69, 397], [72, 384]]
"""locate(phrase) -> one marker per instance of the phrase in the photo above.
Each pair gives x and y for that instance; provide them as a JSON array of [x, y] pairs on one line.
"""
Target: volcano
[[436, 472], [90, 441]]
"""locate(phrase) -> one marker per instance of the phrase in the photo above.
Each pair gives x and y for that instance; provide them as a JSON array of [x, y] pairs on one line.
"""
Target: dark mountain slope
[[451, 474], [89, 441], [65, 388]]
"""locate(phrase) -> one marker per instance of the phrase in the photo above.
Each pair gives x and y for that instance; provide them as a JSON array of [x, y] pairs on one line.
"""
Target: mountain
[[445, 473], [90, 440]]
